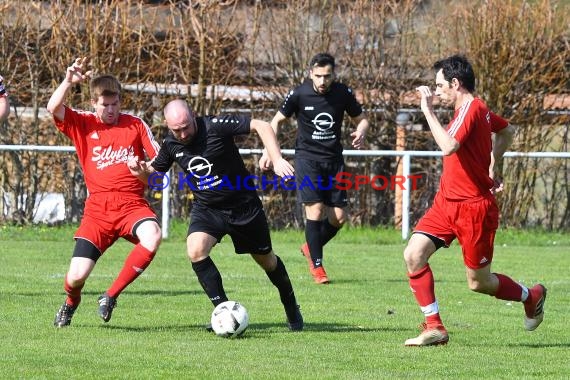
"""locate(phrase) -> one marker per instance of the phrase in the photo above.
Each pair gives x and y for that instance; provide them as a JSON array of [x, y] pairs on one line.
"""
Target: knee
[[151, 239], [154, 243], [338, 219], [196, 255], [75, 278], [341, 222], [414, 259], [268, 262]]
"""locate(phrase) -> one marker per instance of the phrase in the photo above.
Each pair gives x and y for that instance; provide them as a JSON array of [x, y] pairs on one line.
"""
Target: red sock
[[73, 294], [137, 261], [423, 287], [508, 289]]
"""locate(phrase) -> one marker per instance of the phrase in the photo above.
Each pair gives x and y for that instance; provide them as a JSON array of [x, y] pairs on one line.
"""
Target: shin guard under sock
[[135, 264], [313, 238], [328, 231], [211, 280], [73, 294], [423, 287], [508, 290], [280, 278]]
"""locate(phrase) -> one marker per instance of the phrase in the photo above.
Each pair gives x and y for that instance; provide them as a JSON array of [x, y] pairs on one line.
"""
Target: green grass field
[[355, 327]]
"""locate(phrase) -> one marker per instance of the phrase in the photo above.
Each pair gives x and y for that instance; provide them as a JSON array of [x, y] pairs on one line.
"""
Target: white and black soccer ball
[[229, 319]]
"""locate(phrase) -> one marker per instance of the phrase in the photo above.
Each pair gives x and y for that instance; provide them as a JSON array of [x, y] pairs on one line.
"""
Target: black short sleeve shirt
[[211, 163], [319, 119]]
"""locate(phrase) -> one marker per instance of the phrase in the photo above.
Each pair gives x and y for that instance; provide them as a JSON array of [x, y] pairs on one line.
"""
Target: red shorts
[[109, 216], [474, 223]]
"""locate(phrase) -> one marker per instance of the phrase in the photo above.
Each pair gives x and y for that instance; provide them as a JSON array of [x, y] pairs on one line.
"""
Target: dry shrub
[[384, 49]]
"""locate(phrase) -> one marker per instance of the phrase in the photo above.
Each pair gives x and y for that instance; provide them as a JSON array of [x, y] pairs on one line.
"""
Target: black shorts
[[246, 225], [316, 182]]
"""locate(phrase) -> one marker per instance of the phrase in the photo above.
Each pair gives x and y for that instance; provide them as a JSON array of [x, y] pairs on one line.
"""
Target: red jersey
[[103, 150], [466, 172]]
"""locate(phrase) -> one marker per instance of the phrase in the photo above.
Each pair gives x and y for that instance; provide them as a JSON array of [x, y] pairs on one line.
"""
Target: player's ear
[[455, 83]]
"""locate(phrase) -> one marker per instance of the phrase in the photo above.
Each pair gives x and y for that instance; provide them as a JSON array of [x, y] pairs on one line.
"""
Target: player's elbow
[[450, 148], [55, 108], [257, 125], [51, 108], [508, 133]]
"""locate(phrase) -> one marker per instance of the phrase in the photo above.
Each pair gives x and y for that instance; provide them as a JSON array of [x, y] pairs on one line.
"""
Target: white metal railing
[[406, 161]]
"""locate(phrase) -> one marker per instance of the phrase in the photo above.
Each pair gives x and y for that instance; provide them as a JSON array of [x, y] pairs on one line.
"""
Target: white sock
[[524, 294], [431, 309]]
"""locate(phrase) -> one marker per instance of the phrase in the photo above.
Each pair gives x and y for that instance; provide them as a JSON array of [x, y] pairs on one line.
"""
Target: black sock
[[328, 231], [280, 279], [211, 280], [313, 237]]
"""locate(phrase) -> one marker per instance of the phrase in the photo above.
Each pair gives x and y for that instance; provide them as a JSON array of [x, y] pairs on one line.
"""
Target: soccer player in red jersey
[[464, 207], [105, 140], [4, 103]]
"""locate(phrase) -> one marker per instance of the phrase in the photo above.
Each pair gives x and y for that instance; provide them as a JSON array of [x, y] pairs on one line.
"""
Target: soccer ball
[[229, 319]]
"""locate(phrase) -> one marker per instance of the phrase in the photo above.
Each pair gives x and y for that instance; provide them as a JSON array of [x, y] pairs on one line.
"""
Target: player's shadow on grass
[[540, 345], [439, 281], [256, 327], [163, 293], [158, 329], [157, 292], [343, 281], [324, 327]]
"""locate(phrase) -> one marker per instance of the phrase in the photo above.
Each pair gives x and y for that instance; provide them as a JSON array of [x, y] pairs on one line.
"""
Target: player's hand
[[426, 103], [265, 162], [137, 167], [498, 186], [283, 168], [357, 139], [76, 72]]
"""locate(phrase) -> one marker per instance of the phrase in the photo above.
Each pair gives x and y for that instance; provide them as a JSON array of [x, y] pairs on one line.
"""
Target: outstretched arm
[[74, 74], [280, 166], [265, 162], [140, 169]]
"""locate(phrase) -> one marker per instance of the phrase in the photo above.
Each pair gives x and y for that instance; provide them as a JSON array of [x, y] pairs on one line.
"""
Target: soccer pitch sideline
[[354, 328]]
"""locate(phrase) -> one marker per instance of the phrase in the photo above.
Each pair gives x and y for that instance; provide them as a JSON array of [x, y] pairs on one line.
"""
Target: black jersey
[[212, 164], [319, 119]]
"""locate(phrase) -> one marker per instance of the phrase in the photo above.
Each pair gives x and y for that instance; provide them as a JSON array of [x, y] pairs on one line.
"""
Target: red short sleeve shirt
[[466, 172], [103, 150]]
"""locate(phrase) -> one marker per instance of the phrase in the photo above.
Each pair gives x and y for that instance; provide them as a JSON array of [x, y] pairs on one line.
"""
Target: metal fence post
[[406, 197]]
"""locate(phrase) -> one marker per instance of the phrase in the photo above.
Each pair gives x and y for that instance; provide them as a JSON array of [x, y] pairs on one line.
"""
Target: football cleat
[[295, 321], [534, 309], [319, 274], [430, 336], [63, 316], [106, 306]]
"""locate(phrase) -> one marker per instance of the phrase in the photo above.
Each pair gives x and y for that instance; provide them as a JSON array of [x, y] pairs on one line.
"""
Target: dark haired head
[[458, 67], [322, 60], [104, 85]]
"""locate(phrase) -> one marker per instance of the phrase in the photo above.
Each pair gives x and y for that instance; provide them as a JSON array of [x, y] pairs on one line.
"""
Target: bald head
[[180, 120], [176, 109]]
